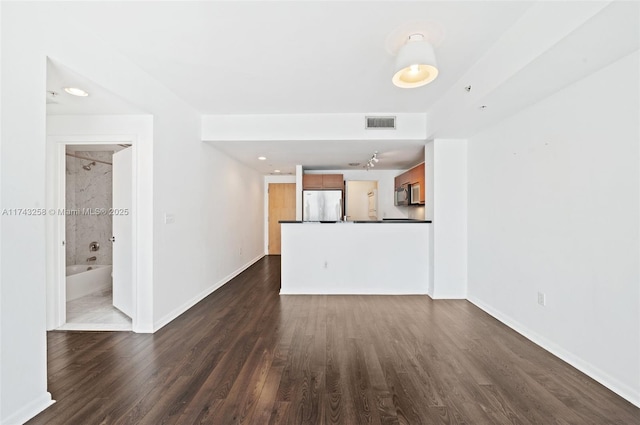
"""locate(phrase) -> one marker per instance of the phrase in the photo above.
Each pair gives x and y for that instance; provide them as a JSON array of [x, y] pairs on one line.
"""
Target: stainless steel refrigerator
[[321, 205]]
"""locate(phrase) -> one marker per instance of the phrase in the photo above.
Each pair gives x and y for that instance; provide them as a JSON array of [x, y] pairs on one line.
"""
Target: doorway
[[282, 206], [95, 279], [361, 200]]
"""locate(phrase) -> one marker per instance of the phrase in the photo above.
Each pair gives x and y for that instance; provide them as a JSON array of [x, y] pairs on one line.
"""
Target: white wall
[[554, 196], [411, 126], [207, 191], [429, 152], [299, 192], [449, 218], [217, 204], [2, 341], [23, 378], [385, 179]]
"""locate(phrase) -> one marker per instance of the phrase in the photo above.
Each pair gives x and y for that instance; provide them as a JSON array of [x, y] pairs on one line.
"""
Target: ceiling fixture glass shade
[[415, 63]]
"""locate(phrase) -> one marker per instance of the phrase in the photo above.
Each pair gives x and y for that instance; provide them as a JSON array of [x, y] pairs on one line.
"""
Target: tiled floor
[[95, 312]]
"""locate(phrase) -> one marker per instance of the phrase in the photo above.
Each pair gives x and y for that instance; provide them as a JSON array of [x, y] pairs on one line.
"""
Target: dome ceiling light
[[415, 63]]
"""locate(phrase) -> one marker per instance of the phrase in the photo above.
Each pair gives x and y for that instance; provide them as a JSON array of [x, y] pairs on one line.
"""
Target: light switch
[[169, 218]]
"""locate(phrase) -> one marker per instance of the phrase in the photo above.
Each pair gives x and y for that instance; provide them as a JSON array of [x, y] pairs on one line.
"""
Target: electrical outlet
[[326, 264], [542, 299]]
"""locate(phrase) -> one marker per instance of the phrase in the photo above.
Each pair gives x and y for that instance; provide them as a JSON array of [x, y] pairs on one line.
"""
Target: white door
[[122, 229]]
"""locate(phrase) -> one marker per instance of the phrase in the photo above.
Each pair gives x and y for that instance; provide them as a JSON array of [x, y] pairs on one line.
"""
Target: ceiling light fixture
[[372, 162], [76, 91], [262, 158], [415, 63]]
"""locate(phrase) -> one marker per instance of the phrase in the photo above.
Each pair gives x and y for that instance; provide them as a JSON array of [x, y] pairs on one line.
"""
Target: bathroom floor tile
[[95, 312]]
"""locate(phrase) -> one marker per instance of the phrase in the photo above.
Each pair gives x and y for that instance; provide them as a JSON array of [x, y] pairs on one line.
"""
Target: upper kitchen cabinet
[[413, 178], [323, 181], [333, 181], [311, 181]]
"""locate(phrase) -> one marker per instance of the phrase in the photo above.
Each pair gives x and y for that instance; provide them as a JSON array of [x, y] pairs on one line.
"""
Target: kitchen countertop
[[408, 220]]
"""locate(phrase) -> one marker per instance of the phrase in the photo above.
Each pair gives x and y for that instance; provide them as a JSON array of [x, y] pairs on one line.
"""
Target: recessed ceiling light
[[262, 158], [76, 91], [276, 171]]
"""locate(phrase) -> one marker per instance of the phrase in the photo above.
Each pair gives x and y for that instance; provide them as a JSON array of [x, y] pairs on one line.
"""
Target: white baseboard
[[29, 411], [337, 292], [620, 388], [193, 301], [448, 297]]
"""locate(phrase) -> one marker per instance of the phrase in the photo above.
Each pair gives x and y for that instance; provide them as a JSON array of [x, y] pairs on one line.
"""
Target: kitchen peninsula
[[369, 257]]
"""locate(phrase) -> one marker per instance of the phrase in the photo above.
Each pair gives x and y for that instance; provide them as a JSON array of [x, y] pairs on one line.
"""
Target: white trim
[[30, 410], [620, 388], [172, 315]]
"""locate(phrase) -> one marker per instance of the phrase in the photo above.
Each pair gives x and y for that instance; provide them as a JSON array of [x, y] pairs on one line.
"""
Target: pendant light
[[415, 63]]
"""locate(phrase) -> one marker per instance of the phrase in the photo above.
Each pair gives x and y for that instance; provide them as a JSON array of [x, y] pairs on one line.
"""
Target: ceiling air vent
[[381, 122]]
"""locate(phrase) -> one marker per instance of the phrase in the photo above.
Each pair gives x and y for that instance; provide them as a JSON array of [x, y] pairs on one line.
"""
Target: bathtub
[[81, 281]]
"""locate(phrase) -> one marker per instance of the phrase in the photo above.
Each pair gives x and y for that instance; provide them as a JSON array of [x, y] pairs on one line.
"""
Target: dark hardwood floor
[[247, 355]]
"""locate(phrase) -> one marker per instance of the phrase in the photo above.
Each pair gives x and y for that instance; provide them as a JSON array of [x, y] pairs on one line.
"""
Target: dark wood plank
[[245, 355]]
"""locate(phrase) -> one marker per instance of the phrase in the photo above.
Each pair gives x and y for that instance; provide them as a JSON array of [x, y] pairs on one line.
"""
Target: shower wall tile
[[93, 192]]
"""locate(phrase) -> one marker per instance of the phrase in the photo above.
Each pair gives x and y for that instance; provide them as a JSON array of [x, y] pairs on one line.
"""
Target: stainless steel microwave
[[402, 195]]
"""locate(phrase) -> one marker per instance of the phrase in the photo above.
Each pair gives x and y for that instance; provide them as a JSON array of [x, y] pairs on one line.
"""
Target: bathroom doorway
[[97, 192]]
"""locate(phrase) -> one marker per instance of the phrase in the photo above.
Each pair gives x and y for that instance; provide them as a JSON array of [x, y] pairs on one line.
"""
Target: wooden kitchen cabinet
[[312, 181], [333, 181], [413, 176], [323, 181]]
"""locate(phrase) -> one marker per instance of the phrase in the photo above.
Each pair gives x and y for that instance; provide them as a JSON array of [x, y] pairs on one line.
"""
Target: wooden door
[[282, 206]]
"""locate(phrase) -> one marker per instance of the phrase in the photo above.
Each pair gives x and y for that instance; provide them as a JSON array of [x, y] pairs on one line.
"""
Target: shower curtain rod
[[87, 159]]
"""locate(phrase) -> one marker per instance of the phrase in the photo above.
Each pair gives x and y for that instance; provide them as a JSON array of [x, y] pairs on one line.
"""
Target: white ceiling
[[99, 101], [316, 57], [324, 154]]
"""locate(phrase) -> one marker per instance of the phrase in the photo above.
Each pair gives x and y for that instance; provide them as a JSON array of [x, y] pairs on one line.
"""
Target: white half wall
[[554, 208], [355, 258]]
